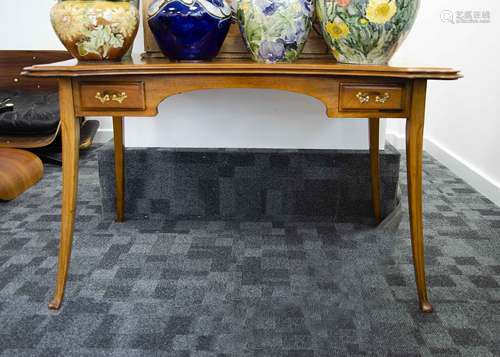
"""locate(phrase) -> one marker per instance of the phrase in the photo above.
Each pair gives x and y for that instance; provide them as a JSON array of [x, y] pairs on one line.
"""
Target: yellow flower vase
[[96, 29], [365, 31]]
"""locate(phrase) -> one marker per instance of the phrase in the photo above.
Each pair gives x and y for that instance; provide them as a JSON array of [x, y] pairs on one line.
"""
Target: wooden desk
[[136, 87]]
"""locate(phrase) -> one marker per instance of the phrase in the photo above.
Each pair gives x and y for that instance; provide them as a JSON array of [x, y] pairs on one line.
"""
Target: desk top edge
[[155, 66]]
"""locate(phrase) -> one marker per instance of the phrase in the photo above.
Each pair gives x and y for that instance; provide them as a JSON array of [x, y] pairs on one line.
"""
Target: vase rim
[[216, 11]]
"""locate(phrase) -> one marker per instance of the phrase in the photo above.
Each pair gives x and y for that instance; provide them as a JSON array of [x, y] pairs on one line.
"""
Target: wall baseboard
[[396, 140], [470, 174], [103, 136]]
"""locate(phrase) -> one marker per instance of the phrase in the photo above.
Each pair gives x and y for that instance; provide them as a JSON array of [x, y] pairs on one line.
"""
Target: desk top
[[161, 66]]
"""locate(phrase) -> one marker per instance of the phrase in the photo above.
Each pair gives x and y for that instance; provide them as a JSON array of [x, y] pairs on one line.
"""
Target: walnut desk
[[136, 87]]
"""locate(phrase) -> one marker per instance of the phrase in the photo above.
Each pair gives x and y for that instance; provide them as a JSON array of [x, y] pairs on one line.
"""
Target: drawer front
[[371, 97], [109, 95]]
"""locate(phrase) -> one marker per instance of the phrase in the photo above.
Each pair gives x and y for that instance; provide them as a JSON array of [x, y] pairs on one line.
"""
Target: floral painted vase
[[96, 29], [365, 31], [190, 29], [275, 30]]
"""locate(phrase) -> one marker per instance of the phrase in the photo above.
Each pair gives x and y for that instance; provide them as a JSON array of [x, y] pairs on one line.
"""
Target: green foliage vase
[[365, 31], [96, 29]]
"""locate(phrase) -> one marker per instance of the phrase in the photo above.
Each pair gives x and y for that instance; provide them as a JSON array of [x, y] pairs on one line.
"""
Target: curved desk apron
[[136, 87]]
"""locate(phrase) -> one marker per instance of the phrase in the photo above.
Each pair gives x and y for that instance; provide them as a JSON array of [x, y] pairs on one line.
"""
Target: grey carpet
[[190, 288], [249, 184]]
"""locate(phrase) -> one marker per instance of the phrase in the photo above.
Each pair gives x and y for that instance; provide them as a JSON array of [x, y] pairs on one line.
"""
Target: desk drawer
[[109, 95], [371, 97]]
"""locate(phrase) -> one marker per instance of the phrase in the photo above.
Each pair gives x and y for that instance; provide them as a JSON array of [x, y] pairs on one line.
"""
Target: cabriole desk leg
[[414, 147], [70, 132], [375, 167], [119, 168]]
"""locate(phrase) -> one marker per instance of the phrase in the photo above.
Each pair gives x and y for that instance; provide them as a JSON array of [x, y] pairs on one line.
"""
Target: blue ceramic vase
[[191, 30]]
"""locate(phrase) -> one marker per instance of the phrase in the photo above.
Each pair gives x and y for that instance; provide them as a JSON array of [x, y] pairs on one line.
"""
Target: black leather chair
[[32, 114], [34, 123]]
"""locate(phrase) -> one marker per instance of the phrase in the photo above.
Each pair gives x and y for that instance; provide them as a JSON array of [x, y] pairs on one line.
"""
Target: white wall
[[222, 118], [463, 117]]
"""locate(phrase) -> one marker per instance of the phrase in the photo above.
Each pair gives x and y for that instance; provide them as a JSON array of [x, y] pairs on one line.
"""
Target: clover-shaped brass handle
[[364, 97], [382, 98], [107, 97]]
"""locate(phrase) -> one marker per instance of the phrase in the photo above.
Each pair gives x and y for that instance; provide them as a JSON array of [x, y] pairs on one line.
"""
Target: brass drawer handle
[[363, 97], [382, 98], [106, 97], [379, 98]]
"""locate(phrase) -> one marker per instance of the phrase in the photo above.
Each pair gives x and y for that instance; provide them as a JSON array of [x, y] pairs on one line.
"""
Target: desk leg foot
[[426, 307], [414, 153], [55, 304], [70, 133], [375, 167], [119, 169]]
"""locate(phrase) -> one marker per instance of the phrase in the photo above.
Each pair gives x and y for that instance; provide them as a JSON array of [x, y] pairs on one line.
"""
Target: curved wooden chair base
[[19, 170], [28, 142]]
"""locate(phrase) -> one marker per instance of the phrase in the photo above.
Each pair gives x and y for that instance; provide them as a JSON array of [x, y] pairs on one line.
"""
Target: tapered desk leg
[[414, 147], [119, 168], [375, 167], [70, 132]]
